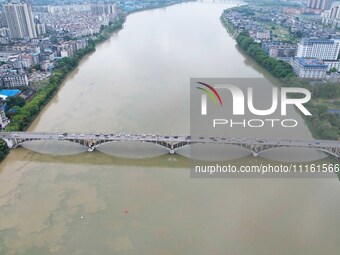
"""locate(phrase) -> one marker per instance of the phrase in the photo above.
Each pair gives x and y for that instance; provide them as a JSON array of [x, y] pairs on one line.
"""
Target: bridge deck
[[169, 139]]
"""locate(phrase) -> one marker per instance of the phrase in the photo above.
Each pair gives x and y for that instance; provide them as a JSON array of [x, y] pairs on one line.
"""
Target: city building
[[81, 44], [97, 9], [67, 49], [3, 21], [334, 12], [27, 60], [14, 80], [74, 8], [320, 4], [309, 68], [47, 65], [20, 19], [4, 31], [66, 52], [279, 50], [332, 16], [263, 35], [4, 121], [40, 29], [101, 8], [110, 9], [47, 56], [324, 49], [332, 64]]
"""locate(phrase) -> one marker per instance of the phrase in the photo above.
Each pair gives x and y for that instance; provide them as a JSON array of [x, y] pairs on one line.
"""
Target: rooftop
[[311, 62], [4, 93], [319, 40]]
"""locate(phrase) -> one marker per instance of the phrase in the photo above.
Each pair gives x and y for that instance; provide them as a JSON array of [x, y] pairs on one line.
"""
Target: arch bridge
[[170, 142]]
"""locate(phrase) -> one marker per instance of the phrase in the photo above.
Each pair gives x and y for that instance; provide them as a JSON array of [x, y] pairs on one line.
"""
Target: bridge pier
[[170, 143]]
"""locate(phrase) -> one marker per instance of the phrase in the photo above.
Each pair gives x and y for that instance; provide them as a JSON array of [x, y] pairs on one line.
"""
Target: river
[[60, 199]]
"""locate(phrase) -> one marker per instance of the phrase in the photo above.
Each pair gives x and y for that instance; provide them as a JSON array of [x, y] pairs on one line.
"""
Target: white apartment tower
[[320, 4], [20, 19], [324, 49], [334, 12]]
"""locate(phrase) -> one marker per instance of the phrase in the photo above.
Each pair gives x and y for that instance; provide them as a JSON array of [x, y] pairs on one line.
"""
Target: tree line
[[278, 68]]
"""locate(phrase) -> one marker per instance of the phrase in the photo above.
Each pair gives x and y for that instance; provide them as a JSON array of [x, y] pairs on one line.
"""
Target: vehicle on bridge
[[171, 142]]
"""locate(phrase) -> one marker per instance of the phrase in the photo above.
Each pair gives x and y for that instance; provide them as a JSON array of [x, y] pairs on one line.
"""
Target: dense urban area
[[297, 42], [41, 42], [169, 127]]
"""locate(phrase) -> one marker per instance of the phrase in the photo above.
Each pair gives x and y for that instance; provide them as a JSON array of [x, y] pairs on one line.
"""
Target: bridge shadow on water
[[147, 155]]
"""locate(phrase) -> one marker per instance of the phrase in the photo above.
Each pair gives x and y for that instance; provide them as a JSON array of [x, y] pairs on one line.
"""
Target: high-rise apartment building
[[101, 8], [334, 12], [320, 4], [20, 19], [309, 68], [324, 49]]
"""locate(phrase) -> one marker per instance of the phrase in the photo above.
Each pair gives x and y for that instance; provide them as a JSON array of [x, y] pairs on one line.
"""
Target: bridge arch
[[171, 143], [171, 147]]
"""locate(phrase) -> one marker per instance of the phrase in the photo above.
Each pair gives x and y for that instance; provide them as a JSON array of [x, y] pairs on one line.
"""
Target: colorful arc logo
[[212, 93]]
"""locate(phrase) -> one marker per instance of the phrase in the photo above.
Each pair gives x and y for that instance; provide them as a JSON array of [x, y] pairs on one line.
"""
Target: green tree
[[334, 70], [54, 40], [37, 67], [15, 101]]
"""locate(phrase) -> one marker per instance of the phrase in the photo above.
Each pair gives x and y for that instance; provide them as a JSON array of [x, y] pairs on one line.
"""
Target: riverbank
[[229, 27], [26, 115], [323, 125]]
